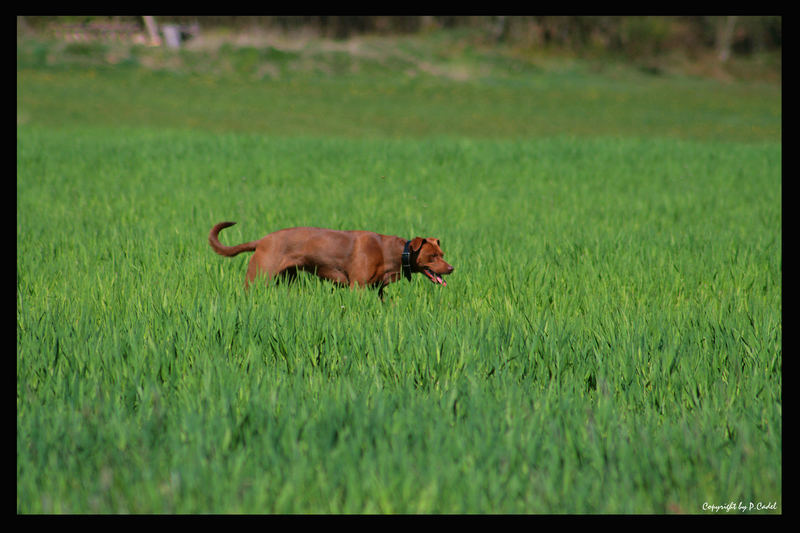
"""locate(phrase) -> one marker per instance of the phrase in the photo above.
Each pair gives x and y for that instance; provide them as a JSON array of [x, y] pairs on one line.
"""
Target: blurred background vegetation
[[724, 47]]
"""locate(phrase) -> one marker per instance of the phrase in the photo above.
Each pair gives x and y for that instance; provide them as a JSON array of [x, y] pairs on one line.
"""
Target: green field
[[610, 341]]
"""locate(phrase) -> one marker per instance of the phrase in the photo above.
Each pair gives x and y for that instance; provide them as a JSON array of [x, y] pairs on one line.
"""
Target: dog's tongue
[[436, 278]]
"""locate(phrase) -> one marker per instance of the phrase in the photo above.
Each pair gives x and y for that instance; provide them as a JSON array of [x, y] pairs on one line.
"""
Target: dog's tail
[[228, 251]]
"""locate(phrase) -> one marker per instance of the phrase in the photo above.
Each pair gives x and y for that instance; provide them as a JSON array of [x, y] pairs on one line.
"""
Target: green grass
[[355, 106], [610, 341]]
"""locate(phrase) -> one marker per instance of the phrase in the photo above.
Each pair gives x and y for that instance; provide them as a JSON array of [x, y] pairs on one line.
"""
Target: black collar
[[406, 260]]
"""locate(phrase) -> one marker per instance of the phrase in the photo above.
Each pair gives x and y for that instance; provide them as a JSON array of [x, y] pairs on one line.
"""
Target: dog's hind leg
[[262, 268]]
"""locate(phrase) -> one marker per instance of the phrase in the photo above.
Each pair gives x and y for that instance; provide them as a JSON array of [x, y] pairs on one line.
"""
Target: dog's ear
[[416, 244]]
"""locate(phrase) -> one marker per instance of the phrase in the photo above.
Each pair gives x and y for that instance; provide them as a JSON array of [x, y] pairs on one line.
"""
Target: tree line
[[631, 35]]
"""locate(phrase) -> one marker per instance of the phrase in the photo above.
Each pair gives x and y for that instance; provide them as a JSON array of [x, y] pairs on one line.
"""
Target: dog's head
[[426, 257]]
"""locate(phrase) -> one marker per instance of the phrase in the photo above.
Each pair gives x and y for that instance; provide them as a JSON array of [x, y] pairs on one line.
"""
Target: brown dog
[[344, 257]]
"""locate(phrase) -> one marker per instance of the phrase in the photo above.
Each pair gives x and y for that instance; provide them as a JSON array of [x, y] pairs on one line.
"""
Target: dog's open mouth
[[434, 277]]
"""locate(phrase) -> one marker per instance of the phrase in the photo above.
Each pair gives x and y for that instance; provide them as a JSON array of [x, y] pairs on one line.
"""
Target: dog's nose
[[450, 269]]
